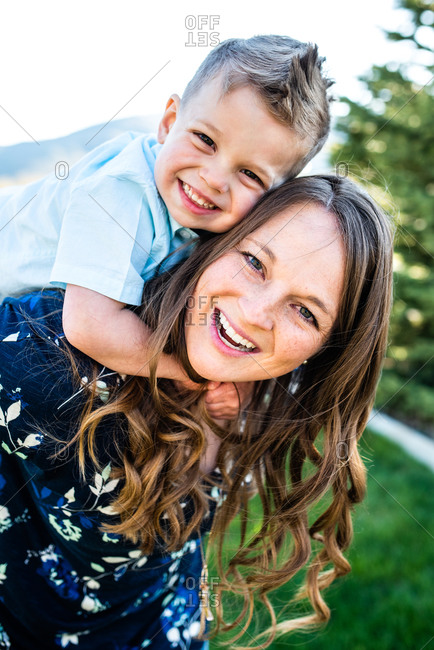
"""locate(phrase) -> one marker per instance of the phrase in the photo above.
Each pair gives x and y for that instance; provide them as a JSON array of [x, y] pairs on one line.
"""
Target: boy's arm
[[111, 335]]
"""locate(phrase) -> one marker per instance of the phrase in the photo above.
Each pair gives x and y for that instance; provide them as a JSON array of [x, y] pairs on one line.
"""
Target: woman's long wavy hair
[[298, 439]]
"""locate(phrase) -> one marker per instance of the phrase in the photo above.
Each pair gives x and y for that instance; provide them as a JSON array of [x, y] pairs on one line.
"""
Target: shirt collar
[[176, 227]]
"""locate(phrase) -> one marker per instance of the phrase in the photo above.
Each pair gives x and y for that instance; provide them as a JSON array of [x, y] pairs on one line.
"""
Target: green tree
[[389, 144]]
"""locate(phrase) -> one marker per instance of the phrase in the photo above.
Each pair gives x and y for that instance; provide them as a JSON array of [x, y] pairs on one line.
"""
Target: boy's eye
[[252, 175], [206, 139]]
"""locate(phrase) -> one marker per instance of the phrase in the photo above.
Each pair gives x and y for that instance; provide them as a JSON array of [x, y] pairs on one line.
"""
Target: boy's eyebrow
[[211, 127], [263, 172]]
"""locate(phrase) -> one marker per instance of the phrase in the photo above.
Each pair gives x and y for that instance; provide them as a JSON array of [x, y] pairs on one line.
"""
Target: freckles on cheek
[[200, 293], [202, 302], [300, 346], [316, 343]]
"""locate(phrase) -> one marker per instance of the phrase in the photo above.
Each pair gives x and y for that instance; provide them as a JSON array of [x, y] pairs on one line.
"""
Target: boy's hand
[[224, 400]]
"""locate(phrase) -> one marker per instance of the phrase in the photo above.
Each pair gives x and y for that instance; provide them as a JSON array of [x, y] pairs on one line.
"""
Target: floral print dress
[[64, 583]]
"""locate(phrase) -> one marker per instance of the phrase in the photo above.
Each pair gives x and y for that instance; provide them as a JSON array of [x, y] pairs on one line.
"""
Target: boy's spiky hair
[[288, 76]]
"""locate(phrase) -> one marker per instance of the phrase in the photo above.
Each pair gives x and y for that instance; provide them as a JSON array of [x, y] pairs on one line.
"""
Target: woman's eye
[[205, 139], [304, 311], [254, 262], [252, 175]]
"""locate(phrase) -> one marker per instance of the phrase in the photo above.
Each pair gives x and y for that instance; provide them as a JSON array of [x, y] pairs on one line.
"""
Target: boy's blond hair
[[286, 74]]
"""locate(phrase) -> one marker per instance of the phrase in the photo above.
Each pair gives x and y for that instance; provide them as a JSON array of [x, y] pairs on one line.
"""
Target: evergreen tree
[[389, 143]]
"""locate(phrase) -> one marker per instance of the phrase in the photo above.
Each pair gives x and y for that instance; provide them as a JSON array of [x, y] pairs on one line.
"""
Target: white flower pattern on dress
[[75, 512]]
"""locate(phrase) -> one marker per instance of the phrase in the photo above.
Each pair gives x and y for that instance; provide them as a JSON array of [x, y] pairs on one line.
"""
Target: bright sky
[[68, 65]]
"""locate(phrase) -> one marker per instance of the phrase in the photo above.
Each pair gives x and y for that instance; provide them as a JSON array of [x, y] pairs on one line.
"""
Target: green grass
[[387, 601]]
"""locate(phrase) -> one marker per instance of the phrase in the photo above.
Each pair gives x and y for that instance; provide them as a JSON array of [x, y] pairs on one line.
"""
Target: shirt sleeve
[[106, 238]]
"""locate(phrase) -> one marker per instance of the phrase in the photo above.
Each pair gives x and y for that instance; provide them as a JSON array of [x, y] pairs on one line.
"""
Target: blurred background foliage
[[386, 602], [388, 143]]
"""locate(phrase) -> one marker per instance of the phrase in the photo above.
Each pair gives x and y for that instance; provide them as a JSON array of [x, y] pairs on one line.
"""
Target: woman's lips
[[232, 340]]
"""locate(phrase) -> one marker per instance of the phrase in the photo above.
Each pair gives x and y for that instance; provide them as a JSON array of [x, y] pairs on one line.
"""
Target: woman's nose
[[215, 177], [257, 311]]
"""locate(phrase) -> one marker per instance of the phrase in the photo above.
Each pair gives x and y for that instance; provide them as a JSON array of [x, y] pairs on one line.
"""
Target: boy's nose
[[215, 178], [257, 311]]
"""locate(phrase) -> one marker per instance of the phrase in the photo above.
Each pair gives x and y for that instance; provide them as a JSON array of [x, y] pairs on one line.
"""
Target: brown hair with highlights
[[298, 442]]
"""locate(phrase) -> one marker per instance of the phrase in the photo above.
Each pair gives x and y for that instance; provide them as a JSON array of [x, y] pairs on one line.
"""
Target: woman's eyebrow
[[319, 303], [264, 247]]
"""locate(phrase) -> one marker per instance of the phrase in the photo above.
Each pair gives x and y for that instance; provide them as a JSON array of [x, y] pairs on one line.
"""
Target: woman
[[108, 487]]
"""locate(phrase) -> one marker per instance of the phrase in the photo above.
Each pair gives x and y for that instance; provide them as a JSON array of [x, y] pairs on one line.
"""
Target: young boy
[[255, 113]]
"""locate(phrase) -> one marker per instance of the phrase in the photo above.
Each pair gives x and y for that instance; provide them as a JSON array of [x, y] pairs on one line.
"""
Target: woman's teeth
[[238, 342], [196, 199]]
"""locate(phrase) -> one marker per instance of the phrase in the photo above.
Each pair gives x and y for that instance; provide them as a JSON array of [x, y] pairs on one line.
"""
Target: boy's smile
[[220, 154], [194, 200]]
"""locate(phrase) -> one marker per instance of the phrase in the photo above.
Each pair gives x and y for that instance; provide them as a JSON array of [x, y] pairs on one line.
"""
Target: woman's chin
[[216, 373]]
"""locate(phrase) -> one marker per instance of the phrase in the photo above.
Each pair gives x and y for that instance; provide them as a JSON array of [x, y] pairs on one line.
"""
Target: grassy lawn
[[387, 601]]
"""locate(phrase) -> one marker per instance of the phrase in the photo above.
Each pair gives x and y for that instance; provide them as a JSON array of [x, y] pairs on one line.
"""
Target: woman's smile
[[231, 338]]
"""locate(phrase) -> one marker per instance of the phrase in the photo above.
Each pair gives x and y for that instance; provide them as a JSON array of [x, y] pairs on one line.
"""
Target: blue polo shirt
[[104, 227]]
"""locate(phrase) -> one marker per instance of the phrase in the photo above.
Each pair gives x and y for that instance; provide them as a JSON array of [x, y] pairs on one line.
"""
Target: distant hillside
[[22, 163]]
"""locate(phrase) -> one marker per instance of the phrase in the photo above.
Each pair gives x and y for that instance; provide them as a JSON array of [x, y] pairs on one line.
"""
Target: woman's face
[[263, 308]]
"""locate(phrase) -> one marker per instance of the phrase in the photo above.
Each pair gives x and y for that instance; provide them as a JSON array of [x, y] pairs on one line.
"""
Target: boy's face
[[220, 154]]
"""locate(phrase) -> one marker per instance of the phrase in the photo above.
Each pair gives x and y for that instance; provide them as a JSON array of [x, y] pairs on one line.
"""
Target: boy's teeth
[[233, 334], [196, 199]]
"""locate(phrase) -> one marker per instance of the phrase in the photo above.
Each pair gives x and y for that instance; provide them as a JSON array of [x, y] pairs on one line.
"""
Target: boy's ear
[[169, 117]]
